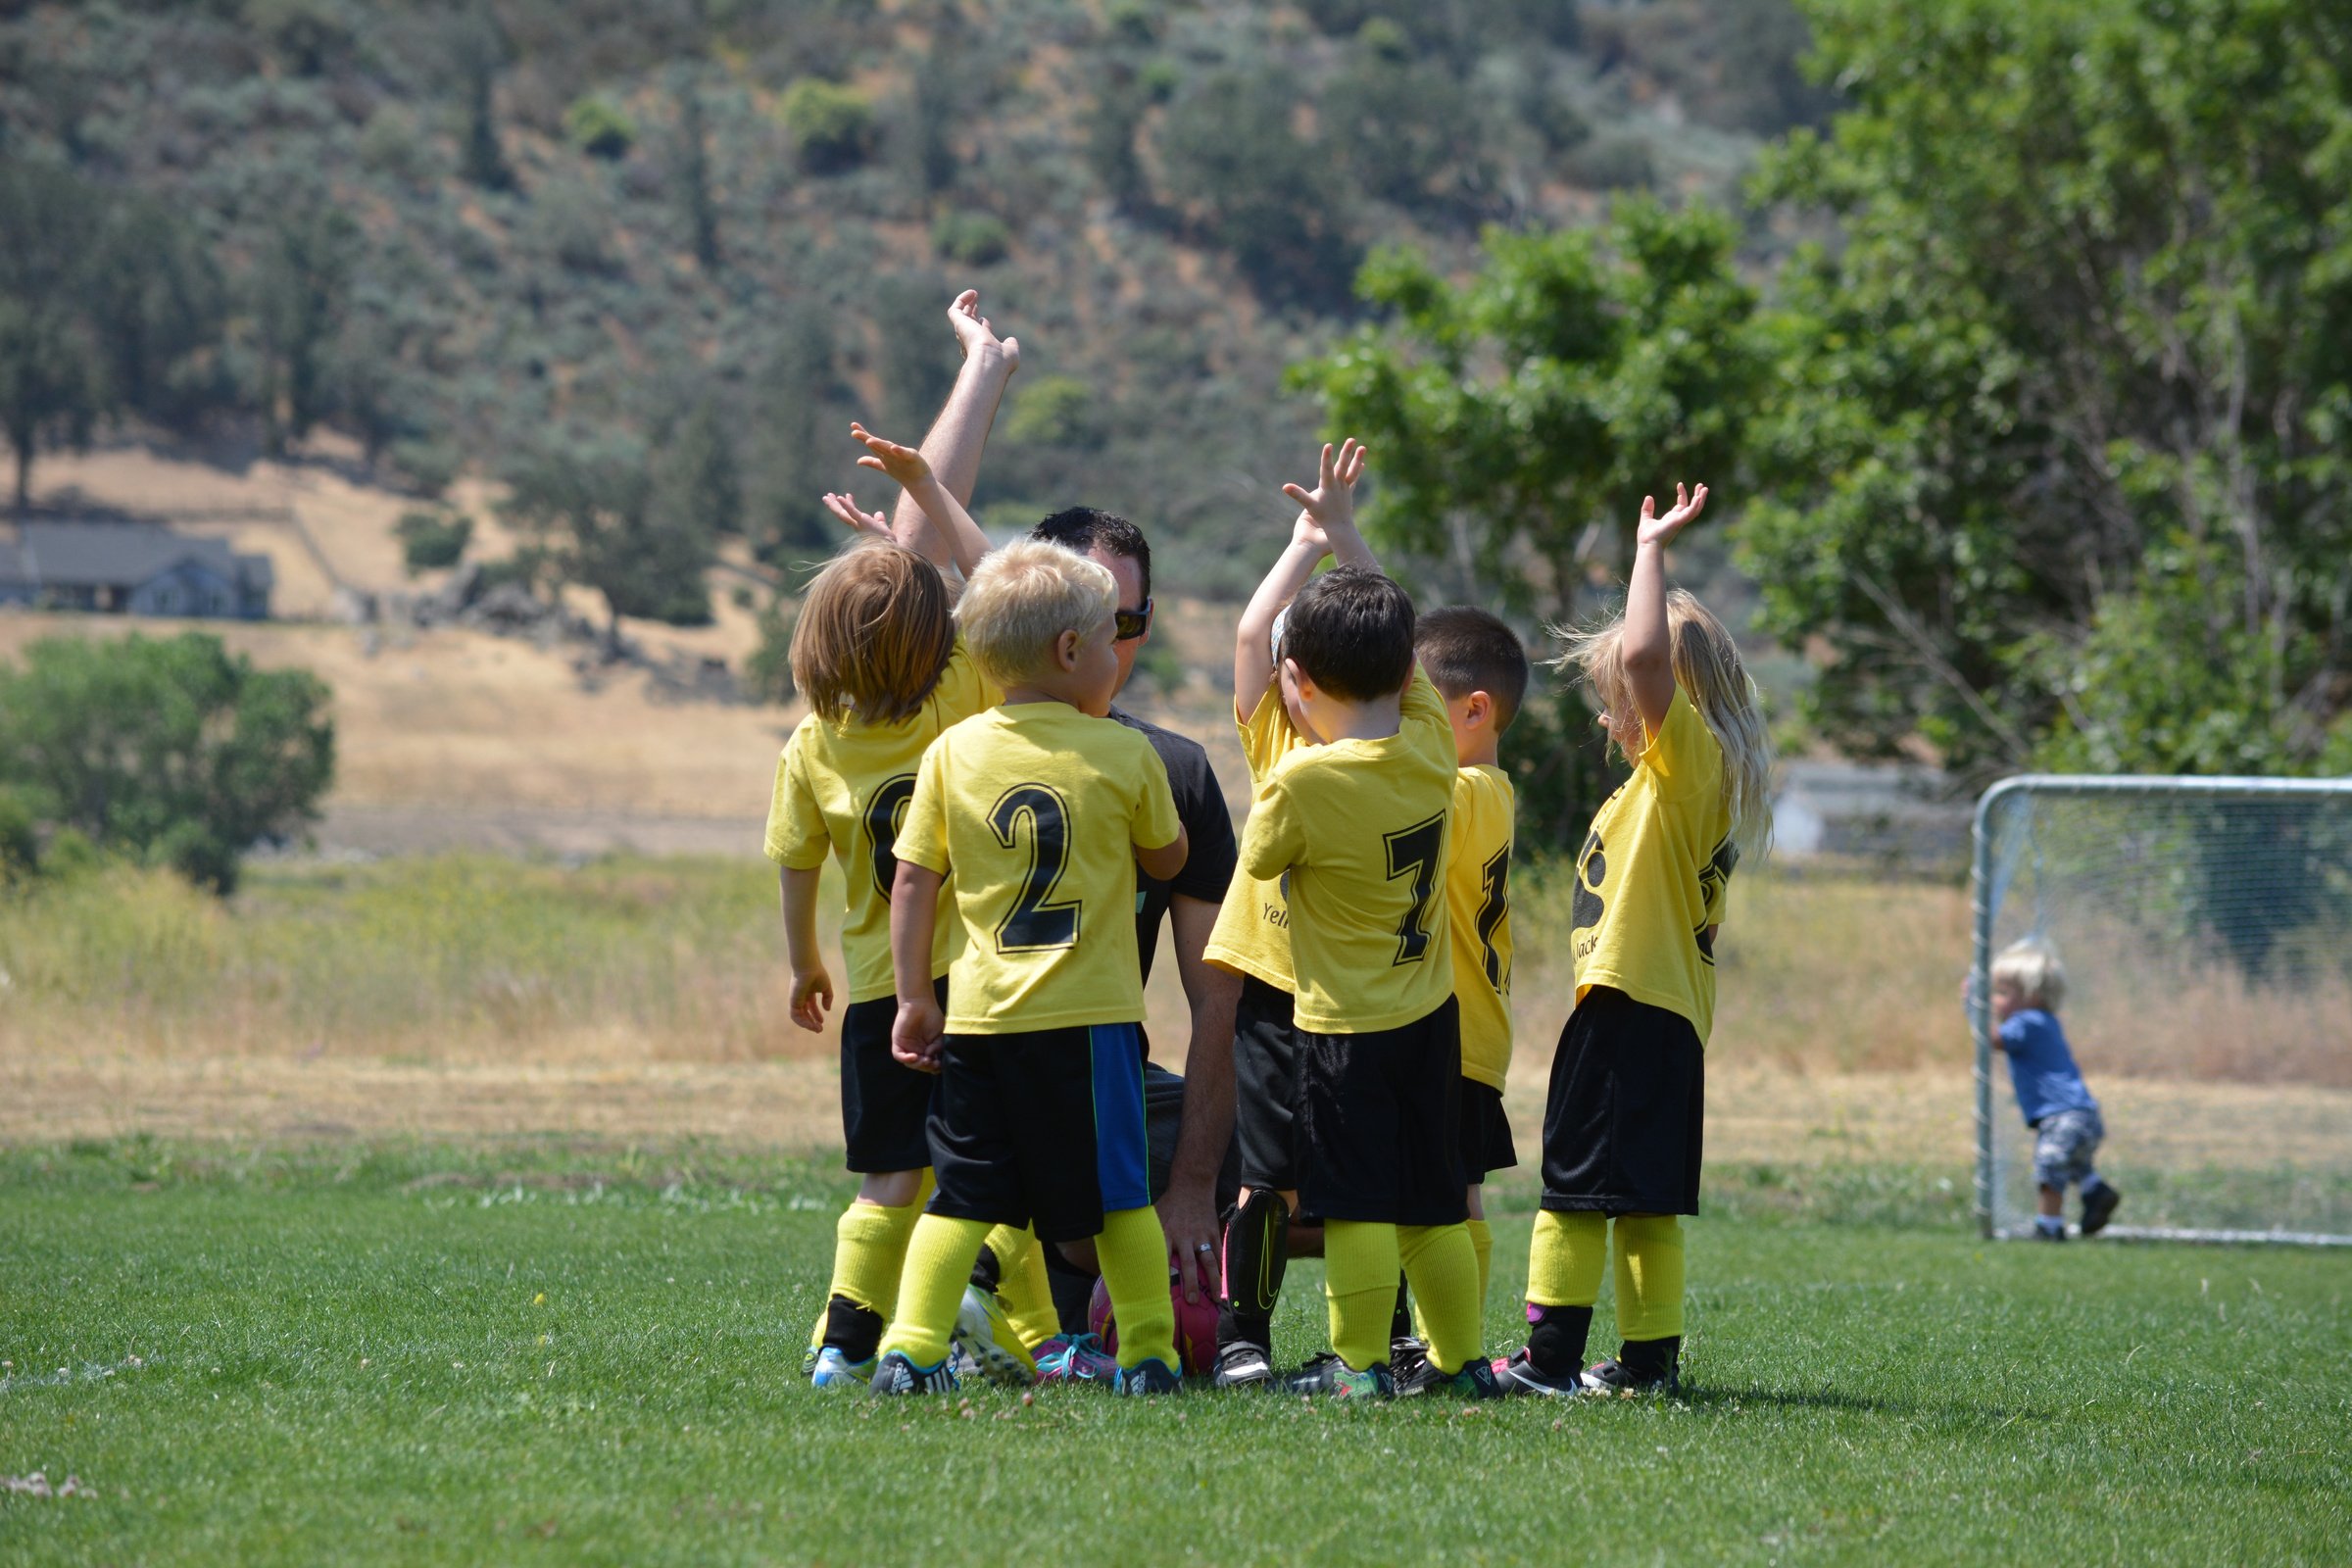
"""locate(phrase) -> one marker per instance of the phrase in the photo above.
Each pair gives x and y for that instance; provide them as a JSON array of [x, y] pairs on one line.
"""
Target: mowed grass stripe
[[343, 1365]]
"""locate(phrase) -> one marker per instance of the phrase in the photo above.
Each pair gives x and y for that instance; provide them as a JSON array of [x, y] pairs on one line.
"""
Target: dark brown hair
[[1351, 632], [1465, 650]]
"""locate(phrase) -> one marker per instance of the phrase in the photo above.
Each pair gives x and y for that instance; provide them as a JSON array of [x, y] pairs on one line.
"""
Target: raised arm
[[966, 544], [1646, 645], [960, 435], [1325, 526]]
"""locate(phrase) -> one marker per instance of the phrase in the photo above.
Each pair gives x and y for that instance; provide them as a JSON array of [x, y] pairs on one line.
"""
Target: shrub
[[172, 749], [768, 672], [1614, 162], [1056, 410], [975, 239], [432, 539], [831, 124], [599, 128]]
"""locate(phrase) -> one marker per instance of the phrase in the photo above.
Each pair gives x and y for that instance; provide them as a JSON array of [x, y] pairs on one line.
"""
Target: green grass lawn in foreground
[[381, 1356]]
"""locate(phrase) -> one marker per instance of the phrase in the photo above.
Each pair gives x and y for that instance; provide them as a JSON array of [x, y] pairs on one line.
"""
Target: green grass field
[[541, 1354]]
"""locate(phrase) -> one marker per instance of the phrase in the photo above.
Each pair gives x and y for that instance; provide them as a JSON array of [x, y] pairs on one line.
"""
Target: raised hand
[[1657, 530], [1330, 506], [845, 506], [974, 335], [906, 465]]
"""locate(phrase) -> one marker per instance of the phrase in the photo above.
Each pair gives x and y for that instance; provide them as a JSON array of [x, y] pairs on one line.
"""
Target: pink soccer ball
[[1195, 1325]]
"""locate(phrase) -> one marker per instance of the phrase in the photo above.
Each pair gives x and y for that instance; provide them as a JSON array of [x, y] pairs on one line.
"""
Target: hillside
[[467, 233]]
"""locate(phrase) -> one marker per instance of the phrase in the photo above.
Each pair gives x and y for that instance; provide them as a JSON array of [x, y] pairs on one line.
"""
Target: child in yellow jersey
[[1041, 810], [1622, 1122], [1357, 822], [876, 655], [1251, 938], [1480, 667]]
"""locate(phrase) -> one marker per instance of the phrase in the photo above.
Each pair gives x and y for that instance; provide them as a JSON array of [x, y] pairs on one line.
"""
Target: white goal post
[[2205, 925]]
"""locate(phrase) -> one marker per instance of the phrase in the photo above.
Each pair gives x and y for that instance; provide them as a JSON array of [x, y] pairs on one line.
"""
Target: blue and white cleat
[[1147, 1377], [895, 1373], [834, 1370]]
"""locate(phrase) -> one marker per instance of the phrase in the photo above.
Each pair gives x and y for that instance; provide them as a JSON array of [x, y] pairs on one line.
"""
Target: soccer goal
[[2205, 925]]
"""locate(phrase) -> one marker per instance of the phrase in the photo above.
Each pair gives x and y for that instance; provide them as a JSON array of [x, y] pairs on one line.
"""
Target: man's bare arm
[[960, 435], [1188, 1210]]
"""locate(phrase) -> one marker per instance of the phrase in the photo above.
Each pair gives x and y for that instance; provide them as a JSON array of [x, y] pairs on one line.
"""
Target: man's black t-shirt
[[1201, 807]]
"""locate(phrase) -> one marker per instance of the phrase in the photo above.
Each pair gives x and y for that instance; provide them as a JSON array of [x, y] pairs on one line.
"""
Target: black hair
[[1351, 632], [1081, 528], [1467, 650]]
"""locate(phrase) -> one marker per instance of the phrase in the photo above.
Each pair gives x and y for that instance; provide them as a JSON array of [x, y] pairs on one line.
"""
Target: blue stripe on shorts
[[1122, 1157]]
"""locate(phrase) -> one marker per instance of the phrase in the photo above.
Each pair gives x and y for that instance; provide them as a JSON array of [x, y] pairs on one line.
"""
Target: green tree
[[696, 481], [157, 303], [53, 380], [588, 501], [803, 418], [1517, 418], [299, 292], [831, 124], [1408, 127], [1239, 168], [2059, 450], [172, 749], [690, 170]]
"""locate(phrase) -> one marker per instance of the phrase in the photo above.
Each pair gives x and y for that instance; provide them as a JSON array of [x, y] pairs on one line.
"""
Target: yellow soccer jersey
[[1654, 874], [843, 787], [1252, 933], [1478, 907], [1360, 828], [1038, 810]]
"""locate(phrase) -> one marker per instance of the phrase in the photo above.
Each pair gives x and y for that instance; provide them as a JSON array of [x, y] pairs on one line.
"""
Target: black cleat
[[1328, 1374], [1613, 1379], [1243, 1365], [2098, 1208]]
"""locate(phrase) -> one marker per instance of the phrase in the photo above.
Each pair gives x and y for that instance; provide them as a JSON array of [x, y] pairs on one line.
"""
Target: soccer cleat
[[1076, 1358], [1243, 1365], [985, 1334], [809, 1360], [2043, 1233], [1410, 1368], [1613, 1379], [1475, 1381], [1517, 1373], [1151, 1376], [834, 1370], [2098, 1208], [1329, 1375], [895, 1373]]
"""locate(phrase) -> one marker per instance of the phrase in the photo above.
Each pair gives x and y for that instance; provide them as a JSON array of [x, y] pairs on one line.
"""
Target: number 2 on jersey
[[1415, 851], [1034, 923]]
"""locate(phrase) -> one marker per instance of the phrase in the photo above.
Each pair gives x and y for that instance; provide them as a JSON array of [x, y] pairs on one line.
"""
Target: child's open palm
[[906, 465], [1657, 530], [1331, 504], [845, 506]]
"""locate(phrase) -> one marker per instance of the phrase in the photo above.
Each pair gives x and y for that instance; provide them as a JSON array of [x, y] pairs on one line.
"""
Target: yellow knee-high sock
[[1564, 1261], [1133, 1252], [1482, 1242], [938, 1265], [1359, 1281], [1441, 1268], [870, 1248], [1021, 1283], [1649, 1277]]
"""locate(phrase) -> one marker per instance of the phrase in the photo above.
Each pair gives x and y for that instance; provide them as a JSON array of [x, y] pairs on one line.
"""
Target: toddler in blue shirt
[[2028, 985]]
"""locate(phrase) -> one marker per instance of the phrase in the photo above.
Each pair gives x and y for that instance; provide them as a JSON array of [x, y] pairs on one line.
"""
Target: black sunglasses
[[1126, 625]]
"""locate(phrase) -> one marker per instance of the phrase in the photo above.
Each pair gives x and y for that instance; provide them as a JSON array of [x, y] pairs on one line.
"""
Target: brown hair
[[875, 630], [1465, 650]]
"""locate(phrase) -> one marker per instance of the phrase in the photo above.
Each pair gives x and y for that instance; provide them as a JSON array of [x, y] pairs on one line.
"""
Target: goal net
[[2205, 927]]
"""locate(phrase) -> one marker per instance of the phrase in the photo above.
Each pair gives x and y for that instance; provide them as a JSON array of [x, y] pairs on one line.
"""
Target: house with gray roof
[[131, 569]]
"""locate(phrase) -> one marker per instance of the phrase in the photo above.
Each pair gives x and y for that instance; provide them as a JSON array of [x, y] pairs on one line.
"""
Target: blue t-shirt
[[2041, 1067]]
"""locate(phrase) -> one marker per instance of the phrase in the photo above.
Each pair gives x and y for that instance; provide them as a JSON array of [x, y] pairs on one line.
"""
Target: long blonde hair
[[875, 630], [1708, 669]]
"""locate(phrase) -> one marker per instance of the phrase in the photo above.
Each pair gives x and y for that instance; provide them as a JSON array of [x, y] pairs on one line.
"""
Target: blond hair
[[875, 630], [2029, 970], [1023, 597], [1707, 667]]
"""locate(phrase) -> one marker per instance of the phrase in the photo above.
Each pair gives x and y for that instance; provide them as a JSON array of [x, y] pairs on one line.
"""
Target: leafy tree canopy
[[174, 750]]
